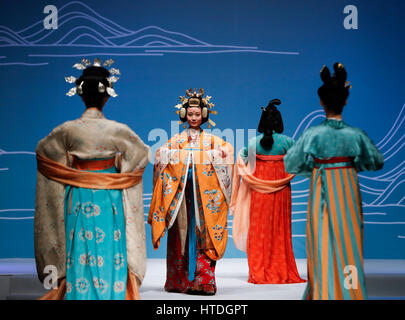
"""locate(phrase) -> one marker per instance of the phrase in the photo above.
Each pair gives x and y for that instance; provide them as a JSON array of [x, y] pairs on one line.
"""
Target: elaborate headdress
[[195, 99], [335, 88], [94, 72]]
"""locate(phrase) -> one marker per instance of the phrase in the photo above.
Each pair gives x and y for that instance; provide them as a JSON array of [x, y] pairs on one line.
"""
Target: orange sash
[[243, 183], [84, 179]]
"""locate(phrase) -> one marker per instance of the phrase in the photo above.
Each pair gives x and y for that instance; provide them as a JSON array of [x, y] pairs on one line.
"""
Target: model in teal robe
[[280, 145], [269, 239], [331, 154]]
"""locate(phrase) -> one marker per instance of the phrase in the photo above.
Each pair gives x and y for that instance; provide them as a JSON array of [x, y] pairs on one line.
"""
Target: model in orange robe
[[192, 182]]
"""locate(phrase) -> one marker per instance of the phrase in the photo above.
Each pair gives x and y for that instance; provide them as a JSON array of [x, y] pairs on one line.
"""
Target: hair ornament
[[204, 112], [211, 123], [101, 87], [97, 62], [194, 98], [108, 63], [112, 79], [84, 64], [71, 92], [115, 71], [70, 79], [79, 89], [79, 66], [111, 92]]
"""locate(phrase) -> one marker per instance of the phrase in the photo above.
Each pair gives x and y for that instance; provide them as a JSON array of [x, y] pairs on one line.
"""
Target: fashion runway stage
[[385, 279]]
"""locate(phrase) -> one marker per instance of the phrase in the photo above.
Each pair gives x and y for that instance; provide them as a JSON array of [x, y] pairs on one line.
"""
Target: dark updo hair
[[334, 91], [270, 121], [91, 78]]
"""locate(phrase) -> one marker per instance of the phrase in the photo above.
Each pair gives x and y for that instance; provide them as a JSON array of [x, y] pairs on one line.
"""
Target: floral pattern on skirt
[[96, 264]]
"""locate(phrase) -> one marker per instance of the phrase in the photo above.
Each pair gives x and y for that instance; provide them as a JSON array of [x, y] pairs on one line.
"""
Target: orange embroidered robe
[[211, 160]]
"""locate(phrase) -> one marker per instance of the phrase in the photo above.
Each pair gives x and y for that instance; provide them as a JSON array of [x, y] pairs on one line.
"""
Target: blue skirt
[[96, 255]]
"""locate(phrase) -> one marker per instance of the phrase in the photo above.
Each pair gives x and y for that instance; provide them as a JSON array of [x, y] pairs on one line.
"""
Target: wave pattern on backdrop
[[382, 192], [85, 33], [81, 27]]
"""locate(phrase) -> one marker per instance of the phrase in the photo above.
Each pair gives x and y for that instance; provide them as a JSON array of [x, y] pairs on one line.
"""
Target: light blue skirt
[[96, 255]]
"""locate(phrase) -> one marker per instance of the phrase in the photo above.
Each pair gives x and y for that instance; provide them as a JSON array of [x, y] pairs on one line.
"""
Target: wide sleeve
[[244, 154], [288, 143], [222, 159], [135, 155], [49, 226], [168, 153], [369, 157], [249, 151], [298, 160]]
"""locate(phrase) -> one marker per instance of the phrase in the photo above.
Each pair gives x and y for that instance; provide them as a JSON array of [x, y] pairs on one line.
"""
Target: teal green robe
[[334, 232], [280, 146], [332, 138]]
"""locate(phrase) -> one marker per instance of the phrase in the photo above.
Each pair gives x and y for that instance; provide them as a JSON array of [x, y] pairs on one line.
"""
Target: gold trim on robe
[[212, 162]]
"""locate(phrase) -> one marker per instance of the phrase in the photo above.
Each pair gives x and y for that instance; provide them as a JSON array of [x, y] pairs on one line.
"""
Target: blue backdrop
[[242, 52]]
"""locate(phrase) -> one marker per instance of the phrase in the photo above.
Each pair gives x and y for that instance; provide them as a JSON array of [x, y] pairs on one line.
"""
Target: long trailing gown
[[263, 227], [331, 154], [88, 223], [192, 187]]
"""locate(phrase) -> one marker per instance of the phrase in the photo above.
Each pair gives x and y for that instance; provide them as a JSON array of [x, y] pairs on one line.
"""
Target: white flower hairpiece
[[85, 63]]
